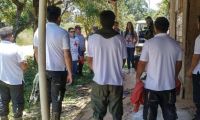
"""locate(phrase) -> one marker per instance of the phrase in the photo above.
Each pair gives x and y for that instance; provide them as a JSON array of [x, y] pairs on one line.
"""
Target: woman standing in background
[[131, 39]]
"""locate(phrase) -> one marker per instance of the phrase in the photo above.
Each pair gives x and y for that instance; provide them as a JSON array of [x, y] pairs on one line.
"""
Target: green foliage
[[138, 8], [7, 12], [20, 18], [29, 76], [89, 12], [163, 9]]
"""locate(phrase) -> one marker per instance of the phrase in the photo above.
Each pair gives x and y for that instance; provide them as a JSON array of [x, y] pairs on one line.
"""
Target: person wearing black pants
[[162, 58], [194, 73], [12, 65]]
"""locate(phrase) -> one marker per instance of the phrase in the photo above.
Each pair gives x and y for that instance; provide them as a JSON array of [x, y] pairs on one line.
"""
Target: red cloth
[[138, 92], [81, 60], [137, 96]]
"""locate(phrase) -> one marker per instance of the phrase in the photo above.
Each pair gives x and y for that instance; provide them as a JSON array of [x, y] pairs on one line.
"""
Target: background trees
[[23, 14]]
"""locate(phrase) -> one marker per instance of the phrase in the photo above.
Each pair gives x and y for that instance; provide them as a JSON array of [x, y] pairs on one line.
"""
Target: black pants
[[104, 96], [14, 93], [130, 58], [56, 88], [196, 93], [166, 100]]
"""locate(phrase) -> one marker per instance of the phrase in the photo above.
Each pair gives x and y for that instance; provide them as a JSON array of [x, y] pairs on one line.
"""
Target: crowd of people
[[108, 50]]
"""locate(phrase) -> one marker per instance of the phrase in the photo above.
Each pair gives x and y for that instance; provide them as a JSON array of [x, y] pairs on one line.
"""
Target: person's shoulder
[[62, 30], [93, 36], [198, 38]]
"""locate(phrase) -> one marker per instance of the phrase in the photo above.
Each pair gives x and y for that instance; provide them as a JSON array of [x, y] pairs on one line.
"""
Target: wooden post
[[42, 60], [191, 34], [172, 18]]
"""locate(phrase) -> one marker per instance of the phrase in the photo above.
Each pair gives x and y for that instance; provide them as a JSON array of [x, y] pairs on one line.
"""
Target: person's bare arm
[[136, 38], [68, 62], [140, 69], [90, 62], [36, 53], [178, 69], [23, 65], [195, 61]]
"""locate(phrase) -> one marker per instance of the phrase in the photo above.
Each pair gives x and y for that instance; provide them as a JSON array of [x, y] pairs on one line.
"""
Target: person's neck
[[107, 28], [160, 32]]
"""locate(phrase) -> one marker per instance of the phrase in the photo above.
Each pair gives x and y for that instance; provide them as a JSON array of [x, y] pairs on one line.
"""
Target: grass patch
[[71, 93], [25, 37]]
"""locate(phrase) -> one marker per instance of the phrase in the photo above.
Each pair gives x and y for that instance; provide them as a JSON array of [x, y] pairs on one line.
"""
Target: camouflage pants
[[104, 96]]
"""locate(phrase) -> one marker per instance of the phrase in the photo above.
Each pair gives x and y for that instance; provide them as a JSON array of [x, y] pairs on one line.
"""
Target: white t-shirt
[[161, 54], [197, 51], [108, 55], [57, 40], [130, 39], [74, 44], [10, 58]]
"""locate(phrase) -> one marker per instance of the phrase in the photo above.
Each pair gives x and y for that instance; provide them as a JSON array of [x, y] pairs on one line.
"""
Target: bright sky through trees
[[153, 4]]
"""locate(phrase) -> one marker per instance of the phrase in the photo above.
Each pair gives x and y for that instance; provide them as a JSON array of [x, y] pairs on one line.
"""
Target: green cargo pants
[[104, 96]]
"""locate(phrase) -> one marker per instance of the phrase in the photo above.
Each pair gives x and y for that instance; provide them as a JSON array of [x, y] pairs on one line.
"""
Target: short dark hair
[[161, 24], [148, 18], [107, 18], [53, 13], [70, 28]]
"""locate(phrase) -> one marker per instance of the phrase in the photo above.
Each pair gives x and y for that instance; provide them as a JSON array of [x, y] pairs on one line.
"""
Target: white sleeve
[[180, 54], [66, 41], [90, 48], [36, 39], [197, 46], [20, 55], [145, 52]]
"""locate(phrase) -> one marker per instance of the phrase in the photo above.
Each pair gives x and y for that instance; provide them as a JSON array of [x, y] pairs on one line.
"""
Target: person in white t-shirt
[[162, 58], [194, 73], [74, 46], [58, 59], [12, 65], [106, 51], [81, 50]]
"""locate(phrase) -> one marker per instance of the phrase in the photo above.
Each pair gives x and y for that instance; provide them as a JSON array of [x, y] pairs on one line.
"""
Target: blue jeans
[[130, 58], [74, 67]]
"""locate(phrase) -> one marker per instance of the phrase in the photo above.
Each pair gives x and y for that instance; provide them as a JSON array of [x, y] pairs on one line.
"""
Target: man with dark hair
[[194, 73], [106, 51], [81, 48], [12, 65], [150, 28], [162, 58], [58, 59], [116, 28]]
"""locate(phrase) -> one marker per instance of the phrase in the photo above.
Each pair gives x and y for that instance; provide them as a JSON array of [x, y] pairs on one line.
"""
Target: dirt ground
[[80, 108]]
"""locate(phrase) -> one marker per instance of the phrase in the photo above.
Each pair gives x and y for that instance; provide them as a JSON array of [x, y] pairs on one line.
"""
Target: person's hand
[[189, 73], [138, 80], [69, 79]]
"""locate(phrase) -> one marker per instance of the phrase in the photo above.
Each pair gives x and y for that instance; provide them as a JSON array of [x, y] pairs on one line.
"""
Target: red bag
[[137, 96]]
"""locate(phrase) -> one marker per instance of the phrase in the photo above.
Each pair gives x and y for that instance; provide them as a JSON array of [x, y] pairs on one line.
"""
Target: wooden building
[[183, 27]]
